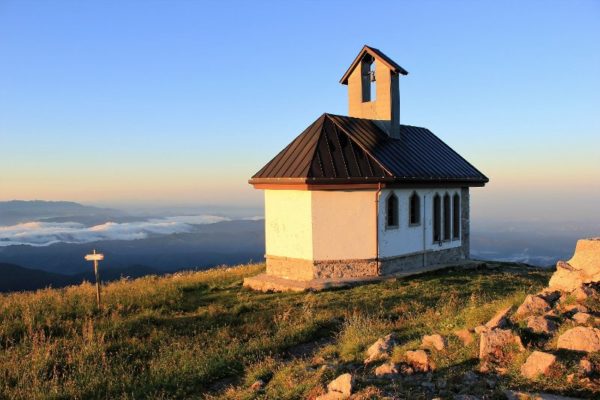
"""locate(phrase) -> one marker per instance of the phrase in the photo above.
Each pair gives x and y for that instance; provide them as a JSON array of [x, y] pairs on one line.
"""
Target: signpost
[[95, 257]]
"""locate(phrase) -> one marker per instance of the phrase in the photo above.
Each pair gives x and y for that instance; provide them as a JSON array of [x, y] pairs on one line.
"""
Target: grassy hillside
[[202, 335]]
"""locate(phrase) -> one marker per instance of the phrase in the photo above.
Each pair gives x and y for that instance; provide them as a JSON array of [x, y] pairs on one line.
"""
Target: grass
[[201, 335]]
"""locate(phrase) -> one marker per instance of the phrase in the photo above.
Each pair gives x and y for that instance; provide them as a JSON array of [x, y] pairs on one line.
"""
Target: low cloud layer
[[47, 233]]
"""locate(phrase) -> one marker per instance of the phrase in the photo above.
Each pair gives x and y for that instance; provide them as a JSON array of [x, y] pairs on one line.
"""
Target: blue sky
[[179, 102]]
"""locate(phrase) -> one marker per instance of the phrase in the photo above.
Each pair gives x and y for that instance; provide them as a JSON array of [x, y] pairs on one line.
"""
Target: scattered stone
[[570, 378], [538, 363], [551, 296], [387, 370], [493, 344], [433, 341], [465, 336], [381, 349], [580, 338], [585, 367], [498, 320], [480, 329], [583, 267], [343, 385], [540, 324], [581, 317], [258, 385], [575, 308], [584, 292], [533, 305], [420, 361]]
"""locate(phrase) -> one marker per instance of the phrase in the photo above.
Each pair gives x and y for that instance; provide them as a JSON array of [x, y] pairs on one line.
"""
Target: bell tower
[[374, 89]]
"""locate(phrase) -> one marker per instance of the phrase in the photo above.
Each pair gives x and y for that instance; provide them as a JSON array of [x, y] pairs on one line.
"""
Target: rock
[[575, 308], [387, 370], [538, 363], [343, 385], [470, 377], [420, 361], [465, 336], [514, 395], [433, 341], [381, 349], [480, 329], [585, 367], [580, 338], [540, 324], [498, 320], [258, 385], [493, 344], [551, 296], [583, 267], [533, 305], [581, 317], [466, 397], [584, 292], [331, 396]]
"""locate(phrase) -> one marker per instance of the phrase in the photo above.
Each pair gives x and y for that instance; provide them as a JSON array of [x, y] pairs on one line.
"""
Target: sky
[[178, 103]]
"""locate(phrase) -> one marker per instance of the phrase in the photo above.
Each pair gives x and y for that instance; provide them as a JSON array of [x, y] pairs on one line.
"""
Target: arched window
[[415, 209], [437, 218], [456, 217], [447, 220], [391, 211]]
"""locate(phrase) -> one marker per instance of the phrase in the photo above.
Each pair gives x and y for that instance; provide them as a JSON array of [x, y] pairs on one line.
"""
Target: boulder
[[499, 320], [585, 367], [339, 388], [541, 324], [494, 344], [550, 295], [381, 349], [575, 308], [480, 329], [387, 370], [465, 336], [581, 338], [533, 304], [538, 363], [584, 292], [581, 318], [419, 360], [433, 342], [258, 385], [583, 267]]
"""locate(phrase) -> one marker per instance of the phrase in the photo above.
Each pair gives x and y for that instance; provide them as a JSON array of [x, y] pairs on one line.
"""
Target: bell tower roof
[[377, 55]]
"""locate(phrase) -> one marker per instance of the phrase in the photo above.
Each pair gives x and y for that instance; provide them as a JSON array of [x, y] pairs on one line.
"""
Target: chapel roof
[[337, 149]]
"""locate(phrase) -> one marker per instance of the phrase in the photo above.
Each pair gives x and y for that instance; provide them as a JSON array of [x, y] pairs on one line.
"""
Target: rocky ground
[[553, 334]]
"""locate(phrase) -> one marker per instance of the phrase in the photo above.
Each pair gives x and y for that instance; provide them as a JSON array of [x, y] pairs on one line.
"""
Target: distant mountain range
[[18, 211], [17, 278]]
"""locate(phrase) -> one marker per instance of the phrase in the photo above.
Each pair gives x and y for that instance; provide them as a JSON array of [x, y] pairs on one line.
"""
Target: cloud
[[47, 233]]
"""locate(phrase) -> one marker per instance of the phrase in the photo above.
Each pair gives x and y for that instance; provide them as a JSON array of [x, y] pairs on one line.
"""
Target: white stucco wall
[[340, 225], [408, 239], [288, 223], [343, 225]]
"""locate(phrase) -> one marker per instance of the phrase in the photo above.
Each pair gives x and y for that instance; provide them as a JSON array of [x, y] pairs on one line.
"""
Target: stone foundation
[[306, 270], [416, 262]]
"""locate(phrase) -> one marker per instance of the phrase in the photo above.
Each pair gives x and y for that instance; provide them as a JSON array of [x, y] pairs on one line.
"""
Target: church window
[[456, 217], [447, 217], [415, 209], [437, 218], [391, 211]]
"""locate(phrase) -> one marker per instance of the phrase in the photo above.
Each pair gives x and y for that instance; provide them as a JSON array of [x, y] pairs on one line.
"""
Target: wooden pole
[[97, 283]]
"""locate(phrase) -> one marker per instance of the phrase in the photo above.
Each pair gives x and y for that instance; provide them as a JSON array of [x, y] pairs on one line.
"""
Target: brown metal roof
[[375, 53], [337, 149]]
